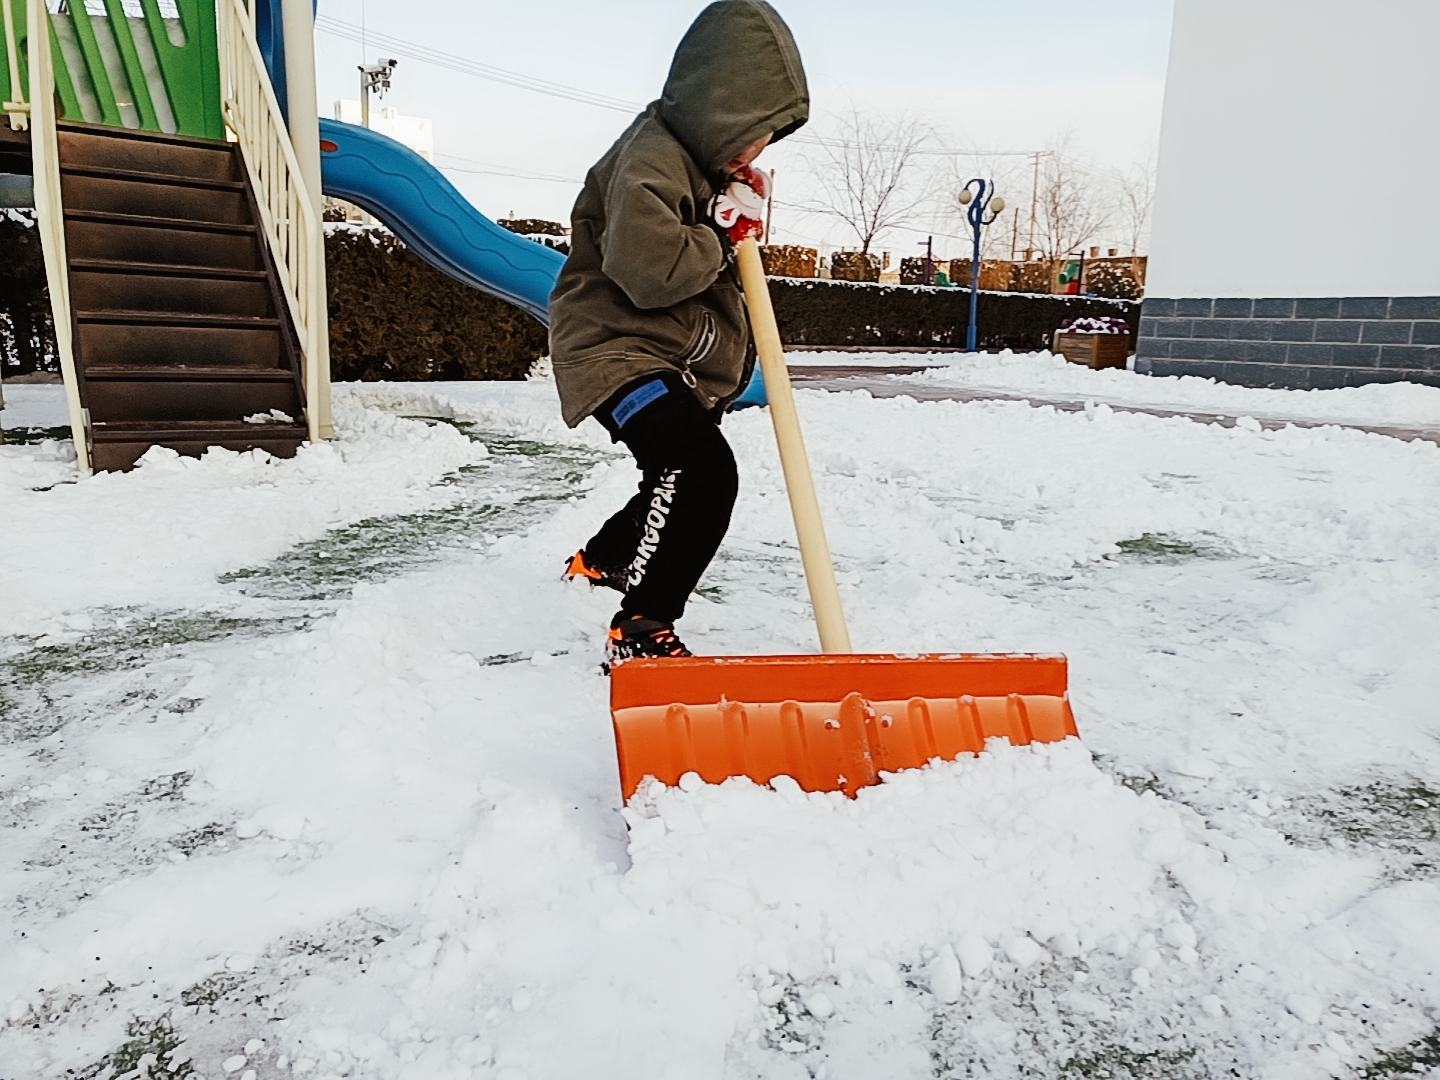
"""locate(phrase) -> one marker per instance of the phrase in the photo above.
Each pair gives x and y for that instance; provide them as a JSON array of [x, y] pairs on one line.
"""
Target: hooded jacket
[[648, 287]]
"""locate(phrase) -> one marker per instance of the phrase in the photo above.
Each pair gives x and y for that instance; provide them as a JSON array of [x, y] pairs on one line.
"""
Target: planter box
[[1093, 350]]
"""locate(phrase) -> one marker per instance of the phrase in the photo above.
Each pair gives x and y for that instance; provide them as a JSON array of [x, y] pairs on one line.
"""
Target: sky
[[1012, 76]]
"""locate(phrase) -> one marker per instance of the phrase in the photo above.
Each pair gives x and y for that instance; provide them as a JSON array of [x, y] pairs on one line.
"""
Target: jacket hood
[[736, 76]]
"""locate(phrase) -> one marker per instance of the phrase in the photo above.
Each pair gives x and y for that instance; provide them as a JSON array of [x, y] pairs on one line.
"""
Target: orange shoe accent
[[578, 568], [832, 722]]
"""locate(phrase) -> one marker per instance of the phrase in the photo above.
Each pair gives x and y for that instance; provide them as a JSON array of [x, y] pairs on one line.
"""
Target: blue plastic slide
[[434, 220]]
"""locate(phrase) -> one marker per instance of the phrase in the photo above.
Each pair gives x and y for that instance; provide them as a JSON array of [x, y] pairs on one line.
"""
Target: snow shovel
[[833, 722]]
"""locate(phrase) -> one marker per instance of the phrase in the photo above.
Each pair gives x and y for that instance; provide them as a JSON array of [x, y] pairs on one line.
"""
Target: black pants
[[665, 537]]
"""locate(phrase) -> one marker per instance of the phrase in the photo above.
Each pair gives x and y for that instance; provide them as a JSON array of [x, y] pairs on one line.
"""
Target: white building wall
[[1300, 151], [413, 131]]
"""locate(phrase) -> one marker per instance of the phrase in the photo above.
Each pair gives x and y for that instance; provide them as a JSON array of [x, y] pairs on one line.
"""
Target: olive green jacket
[[648, 286]]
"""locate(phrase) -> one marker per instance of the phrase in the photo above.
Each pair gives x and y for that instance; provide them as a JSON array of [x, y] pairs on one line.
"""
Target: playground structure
[[178, 164]]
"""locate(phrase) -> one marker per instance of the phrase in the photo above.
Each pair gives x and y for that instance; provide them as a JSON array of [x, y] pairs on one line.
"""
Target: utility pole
[[930, 260], [769, 206], [1034, 200]]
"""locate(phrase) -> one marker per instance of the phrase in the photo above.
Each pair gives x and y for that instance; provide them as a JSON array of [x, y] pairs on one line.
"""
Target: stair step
[[160, 198], [156, 221], [121, 266], [160, 395], [180, 373], [209, 341], [177, 318], [142, 238], [114, 148], [142, 176], [97, 286], [117, 446]]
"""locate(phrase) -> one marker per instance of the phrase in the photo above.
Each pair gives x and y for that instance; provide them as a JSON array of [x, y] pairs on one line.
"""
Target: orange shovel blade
[[831, 723]]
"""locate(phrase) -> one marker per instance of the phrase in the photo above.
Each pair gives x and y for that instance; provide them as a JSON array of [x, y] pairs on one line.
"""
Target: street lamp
[[982, 207]]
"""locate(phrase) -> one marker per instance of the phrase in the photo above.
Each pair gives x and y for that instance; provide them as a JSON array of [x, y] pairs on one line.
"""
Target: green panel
[[134, 73], [95, 65], [64, 87], [191, 71], [5, 58], [69, 103]]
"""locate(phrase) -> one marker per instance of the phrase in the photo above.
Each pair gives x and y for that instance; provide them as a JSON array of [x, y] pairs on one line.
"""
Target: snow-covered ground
[[1042, 376], [306, 766]]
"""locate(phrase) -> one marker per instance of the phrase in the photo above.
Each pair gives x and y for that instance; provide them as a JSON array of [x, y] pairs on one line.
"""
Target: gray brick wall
[[1304, 343]]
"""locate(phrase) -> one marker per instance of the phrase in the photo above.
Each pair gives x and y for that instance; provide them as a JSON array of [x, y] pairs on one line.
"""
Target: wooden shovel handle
[[809, 528]]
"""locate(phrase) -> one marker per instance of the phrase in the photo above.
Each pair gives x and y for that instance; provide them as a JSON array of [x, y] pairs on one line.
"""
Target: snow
[[307, 766], [1045, 377]]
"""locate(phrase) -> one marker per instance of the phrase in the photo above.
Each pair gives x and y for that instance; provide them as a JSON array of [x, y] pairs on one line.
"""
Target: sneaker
[[639, 636], [577, 567]]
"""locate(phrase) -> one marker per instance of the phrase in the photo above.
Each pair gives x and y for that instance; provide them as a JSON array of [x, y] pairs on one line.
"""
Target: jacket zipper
[[700, 350]]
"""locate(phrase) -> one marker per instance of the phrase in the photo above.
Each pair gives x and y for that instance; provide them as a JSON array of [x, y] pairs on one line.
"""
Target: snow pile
[[161, 534]]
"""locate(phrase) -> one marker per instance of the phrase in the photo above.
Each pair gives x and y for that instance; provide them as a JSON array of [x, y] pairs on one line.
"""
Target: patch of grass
[[375, 548], [147, 1038], [1142, 784], [514, 487], [1396, 820], [127, 643], [1403, 815], [1416, 1058], [188, 843], [208, 991], [20, 436], [1123, 1063], [1159, 546], [30, 704]]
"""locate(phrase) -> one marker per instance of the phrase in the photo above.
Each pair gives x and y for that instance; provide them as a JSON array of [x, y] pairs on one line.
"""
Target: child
[[648, 329]]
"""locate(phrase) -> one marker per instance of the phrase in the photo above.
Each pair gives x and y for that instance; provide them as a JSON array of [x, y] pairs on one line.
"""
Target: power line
[[350, 32], [485, 168]]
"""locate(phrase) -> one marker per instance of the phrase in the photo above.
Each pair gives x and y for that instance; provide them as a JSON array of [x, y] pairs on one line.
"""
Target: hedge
[[27, 336], [393, 316], [818, 312]]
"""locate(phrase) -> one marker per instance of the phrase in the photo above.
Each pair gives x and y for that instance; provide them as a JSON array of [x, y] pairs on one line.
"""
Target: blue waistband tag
[[636, 400]]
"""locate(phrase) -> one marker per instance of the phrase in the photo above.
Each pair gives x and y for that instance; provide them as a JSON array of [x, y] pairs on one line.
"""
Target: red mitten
[[740, 208]]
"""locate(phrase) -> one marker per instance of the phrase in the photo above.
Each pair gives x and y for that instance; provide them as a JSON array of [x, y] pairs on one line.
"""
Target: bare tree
[[1135, 196], [1071, 208], [866, 173]]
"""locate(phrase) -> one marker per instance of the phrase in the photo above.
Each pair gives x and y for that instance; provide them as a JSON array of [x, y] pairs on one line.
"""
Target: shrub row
[[818, 312], [27, 336], [393, 316]]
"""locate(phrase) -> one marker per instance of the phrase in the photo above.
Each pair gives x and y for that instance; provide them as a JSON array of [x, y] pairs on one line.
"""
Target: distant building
[[1295, 213], [412, 131]]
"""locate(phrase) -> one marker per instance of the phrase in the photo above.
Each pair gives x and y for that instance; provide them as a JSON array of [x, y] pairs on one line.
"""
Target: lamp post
[[982, 207]]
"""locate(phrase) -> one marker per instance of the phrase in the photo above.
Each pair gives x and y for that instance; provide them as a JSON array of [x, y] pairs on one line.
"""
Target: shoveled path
[[881, 383]]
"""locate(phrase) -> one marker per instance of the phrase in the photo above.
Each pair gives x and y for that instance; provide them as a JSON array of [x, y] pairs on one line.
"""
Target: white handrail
[[287, 214], [50, 215], [18, 109]]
